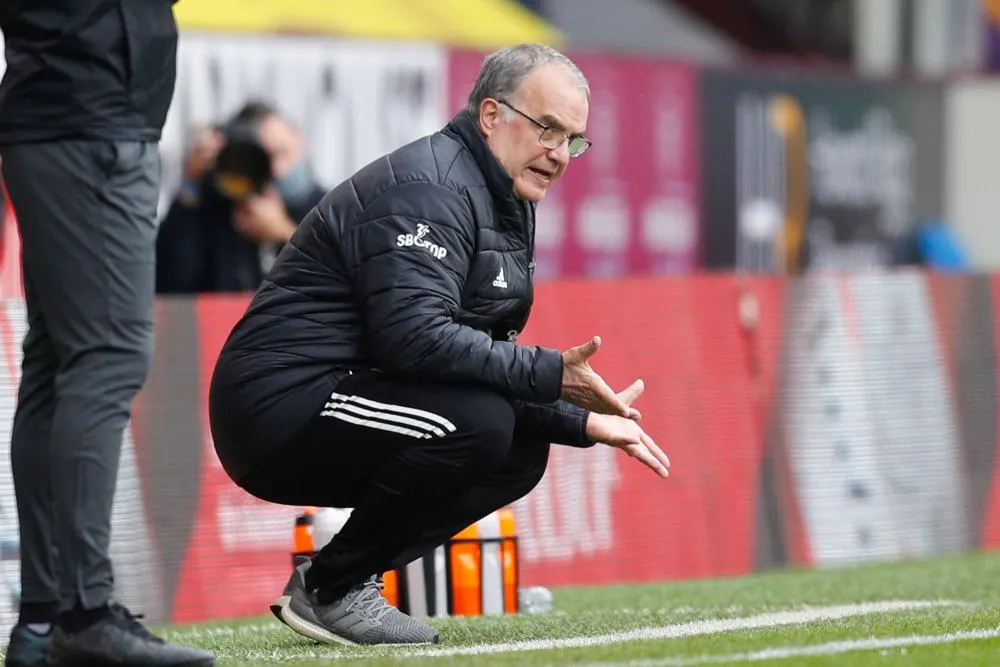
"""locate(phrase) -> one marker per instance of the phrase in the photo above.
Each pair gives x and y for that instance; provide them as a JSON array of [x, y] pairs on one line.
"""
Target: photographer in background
[[246, 186]]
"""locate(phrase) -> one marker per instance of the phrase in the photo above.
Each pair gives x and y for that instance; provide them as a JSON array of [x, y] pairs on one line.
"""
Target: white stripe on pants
[[387, 417]]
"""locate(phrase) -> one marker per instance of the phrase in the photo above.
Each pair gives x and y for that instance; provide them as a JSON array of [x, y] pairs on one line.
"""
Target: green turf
[[971, 582]]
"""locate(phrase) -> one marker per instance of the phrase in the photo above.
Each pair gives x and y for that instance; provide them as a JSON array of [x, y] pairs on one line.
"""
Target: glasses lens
[[551, 138], [578, 146]]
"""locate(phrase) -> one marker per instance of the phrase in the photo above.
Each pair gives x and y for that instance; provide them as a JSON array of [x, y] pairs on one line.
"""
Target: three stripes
[[387, 417]]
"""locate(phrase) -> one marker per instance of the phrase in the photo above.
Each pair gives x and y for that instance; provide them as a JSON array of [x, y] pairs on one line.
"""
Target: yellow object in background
[[476, 24], [992, 9]]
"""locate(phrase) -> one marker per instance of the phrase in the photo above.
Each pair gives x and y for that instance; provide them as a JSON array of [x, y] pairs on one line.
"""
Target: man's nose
[[560, 154]]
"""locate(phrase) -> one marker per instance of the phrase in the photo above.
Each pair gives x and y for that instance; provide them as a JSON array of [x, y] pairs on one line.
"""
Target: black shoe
[[120, 639], [27, 647]]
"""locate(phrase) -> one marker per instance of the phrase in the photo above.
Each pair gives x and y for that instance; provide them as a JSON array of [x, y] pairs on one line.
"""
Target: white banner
[[869, 422], [971, 167], [355, 101]]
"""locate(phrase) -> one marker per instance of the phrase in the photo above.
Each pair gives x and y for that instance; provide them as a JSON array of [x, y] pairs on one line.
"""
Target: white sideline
[[833, 648], [689, 629], [673, 631]]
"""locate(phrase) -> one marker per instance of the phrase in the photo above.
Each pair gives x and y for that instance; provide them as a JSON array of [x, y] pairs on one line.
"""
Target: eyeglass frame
[[567, 137]]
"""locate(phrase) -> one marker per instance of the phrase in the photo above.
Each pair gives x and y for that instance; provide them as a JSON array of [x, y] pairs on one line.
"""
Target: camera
[[243, 166]]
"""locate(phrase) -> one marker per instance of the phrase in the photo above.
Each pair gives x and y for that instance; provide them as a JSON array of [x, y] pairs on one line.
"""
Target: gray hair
[[503, 72]]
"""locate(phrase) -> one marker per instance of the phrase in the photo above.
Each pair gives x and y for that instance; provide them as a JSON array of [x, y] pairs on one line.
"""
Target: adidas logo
[[500, 281]]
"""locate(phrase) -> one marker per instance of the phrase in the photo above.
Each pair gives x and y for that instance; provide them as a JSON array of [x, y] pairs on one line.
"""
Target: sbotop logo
[[418, 241]]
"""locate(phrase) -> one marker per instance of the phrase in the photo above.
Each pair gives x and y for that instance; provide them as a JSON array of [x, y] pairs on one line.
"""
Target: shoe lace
[[132, 623], [370, 602]]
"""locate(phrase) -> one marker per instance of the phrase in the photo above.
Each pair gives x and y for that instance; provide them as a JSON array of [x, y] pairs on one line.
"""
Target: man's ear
[[490, 115]]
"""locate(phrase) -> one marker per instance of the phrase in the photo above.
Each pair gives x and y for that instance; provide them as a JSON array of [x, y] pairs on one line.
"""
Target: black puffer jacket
[[420, 265], [87, 69]]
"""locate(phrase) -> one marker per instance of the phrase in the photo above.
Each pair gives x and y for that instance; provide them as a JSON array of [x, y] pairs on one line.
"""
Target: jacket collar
[[510, 209]]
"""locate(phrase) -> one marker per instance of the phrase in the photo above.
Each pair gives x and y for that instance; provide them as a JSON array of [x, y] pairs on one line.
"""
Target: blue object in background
[[931, 244], [940, 248]]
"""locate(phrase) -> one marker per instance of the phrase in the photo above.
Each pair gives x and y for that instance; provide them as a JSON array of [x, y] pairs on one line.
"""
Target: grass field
[[934, 612]]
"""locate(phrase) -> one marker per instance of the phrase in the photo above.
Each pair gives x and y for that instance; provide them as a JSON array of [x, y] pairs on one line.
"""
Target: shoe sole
[[311, 630], [278, 605], [320, 634]]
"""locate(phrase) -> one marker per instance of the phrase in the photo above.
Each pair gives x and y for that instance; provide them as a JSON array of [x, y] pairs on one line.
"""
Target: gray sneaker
[[295, 582], [361, 616]]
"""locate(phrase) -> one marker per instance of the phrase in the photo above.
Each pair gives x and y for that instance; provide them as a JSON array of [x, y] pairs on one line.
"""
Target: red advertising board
[[598, 516], [10, 249], [722, 399], [630, 206]]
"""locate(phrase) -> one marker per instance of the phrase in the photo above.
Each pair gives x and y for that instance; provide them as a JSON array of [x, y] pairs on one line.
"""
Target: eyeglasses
[[551, 137]]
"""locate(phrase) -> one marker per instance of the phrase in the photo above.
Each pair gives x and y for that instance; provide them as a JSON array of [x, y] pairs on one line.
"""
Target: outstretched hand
[[626, 434], [583, 387]]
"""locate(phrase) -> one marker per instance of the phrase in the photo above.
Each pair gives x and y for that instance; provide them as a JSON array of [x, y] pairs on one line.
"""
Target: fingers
[[632, 392], [630, 438], [592, 346], [647, 452], [613, 401], [603, 399], [646, 457], [655, 450], [581, 353], [629, 395]]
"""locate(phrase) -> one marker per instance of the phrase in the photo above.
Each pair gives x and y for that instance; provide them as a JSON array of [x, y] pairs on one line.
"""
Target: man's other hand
[[582, 387], [627, 435]]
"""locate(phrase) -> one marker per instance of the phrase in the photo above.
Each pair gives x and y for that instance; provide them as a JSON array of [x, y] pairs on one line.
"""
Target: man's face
[[282, 142], [552, 97]]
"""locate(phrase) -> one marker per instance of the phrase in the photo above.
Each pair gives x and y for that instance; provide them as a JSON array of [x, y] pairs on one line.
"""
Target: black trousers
[[417, 462], [87, 216]]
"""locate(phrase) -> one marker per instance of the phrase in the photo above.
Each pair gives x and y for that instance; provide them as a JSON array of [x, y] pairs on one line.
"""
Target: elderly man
[[377, 366]]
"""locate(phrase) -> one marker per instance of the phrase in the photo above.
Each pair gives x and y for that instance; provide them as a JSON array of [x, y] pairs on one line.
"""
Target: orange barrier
[[477, 556], [474, 574]]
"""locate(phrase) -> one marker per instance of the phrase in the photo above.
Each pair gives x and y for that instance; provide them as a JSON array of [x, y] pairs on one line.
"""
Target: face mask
[[297, 184]]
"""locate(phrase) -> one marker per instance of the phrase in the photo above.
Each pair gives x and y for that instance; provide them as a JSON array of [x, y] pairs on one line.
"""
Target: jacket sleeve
[[410, 254], [560, 423]]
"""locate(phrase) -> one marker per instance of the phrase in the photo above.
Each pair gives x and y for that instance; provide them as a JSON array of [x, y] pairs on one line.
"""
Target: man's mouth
[[541, 172]]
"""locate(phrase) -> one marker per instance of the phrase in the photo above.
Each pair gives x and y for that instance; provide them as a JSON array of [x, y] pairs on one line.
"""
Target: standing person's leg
[[88, 221], [87, 213], [29, 452]]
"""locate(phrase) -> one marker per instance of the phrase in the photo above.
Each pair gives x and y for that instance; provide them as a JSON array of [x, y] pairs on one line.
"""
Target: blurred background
[[787, 224]]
